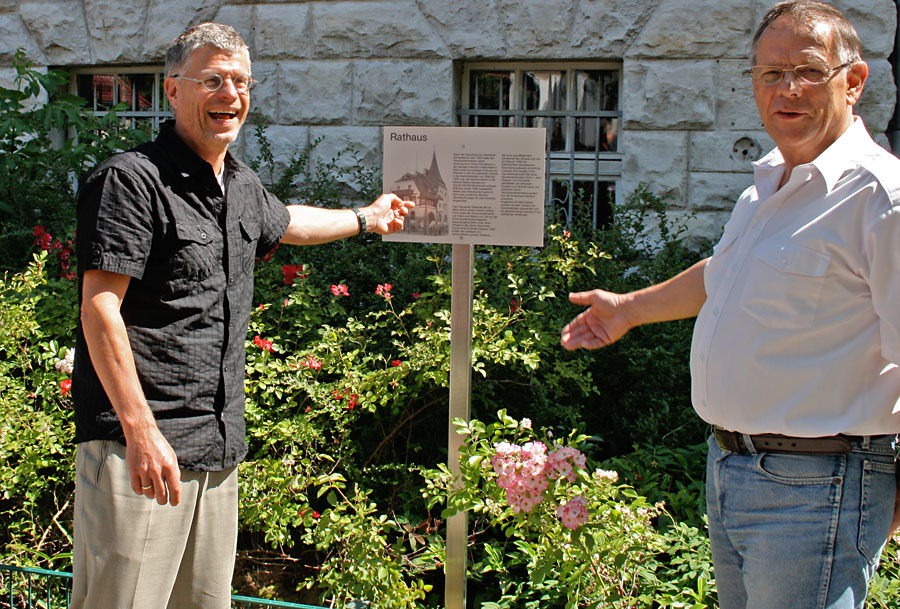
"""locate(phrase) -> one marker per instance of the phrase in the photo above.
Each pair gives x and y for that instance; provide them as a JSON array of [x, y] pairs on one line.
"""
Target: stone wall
[[341, 69]]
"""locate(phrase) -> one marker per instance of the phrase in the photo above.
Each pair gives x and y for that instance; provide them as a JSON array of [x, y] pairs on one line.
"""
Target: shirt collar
[[189, 163], [831, 164]]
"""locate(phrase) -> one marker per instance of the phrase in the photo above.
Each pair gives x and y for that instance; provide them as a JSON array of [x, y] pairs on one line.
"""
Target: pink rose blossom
[[573, 513]]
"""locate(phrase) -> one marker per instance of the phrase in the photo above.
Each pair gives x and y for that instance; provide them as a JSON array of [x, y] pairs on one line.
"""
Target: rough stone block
[[168, 18], [264, 98], [704, 228], [314, 92], [716, 191], [728, 151], [606, 28], [8, 78], [350, 148], [876, 106], [58, 27], [735, 108], [537, 28], [126, 19], [700, 29], [468, 30], [282, 31], [15, 36], [669, 94], [285, 143], [403, 93], [657, 158], [875, 22], [373, 29]]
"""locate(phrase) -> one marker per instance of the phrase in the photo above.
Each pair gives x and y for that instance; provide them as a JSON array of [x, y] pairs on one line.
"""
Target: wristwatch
[[361, 218]]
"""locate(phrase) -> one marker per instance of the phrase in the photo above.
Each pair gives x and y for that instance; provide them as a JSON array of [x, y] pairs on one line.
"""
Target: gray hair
[[845, 40], [217, 35]]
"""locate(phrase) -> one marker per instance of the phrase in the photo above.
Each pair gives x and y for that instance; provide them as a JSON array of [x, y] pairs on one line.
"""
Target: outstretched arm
[[313, 225], [152, 464], [611, 315]]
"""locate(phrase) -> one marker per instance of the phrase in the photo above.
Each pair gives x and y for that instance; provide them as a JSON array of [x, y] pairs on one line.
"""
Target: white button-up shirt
[[800, 331]]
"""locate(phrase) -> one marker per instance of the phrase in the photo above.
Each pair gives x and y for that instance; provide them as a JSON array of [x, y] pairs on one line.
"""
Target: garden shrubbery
[[345, 491]]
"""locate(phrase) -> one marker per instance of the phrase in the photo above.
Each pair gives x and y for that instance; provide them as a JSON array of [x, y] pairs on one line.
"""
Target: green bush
[[608, 554], [48, 143], [37, 476]]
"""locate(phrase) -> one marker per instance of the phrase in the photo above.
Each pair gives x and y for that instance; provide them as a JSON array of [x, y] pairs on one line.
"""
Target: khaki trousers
[[132, 553]]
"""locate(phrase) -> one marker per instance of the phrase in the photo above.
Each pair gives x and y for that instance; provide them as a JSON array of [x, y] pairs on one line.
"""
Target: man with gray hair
[[167, 238], [794, 359]]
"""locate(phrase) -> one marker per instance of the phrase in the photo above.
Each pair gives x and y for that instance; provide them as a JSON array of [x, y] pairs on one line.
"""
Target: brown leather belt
[[742, 444]]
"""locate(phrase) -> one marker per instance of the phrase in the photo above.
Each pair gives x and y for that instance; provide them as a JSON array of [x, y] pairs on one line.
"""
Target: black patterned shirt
[[157, 214]]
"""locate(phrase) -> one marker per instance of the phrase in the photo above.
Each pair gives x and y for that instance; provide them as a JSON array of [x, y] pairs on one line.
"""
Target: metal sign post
[[481, 186], [460, 408]]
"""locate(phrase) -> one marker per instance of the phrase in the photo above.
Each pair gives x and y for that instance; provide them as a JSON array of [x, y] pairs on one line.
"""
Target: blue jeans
[[795, 531]]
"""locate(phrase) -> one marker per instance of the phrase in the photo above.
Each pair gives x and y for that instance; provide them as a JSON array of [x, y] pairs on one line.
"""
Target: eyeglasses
[[810, 74], [213, 82]]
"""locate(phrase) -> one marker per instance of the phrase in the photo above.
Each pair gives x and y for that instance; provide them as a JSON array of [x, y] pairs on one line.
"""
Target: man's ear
[[171, 87], [857, 73]]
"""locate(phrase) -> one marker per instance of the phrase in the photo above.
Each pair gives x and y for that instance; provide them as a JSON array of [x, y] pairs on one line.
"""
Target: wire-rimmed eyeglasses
[[808, 73], [213, 82]]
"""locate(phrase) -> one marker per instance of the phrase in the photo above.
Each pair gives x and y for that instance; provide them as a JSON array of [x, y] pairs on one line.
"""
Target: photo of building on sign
[[428, 190]]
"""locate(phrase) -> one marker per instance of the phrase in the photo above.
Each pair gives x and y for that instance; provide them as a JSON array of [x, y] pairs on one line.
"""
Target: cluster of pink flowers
[[562, 462], [292, 272], [265, 345], [47, 243], [340, 290], [311, 362], [384, 289], [521, 472], [573, 513], [525, 472]]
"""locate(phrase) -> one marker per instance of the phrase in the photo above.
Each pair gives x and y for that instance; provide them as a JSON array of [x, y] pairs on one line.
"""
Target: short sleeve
[[273, 223], [115, 223]]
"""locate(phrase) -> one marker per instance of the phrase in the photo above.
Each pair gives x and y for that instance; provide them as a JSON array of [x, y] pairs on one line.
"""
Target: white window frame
[[597, 167]]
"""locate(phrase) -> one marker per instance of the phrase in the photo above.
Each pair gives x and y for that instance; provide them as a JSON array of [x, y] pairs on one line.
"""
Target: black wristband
[[361, 219]]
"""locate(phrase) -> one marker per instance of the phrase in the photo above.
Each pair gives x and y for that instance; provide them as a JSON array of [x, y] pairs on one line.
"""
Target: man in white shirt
[[797, 339]]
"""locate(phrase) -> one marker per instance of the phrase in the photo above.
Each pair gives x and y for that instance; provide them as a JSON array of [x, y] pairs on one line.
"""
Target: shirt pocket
[[784, 285], [193, 257], [250, 231]]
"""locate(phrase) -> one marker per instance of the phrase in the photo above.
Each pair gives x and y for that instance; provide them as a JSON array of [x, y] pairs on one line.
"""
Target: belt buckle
[[720, 441], [730, 441]]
